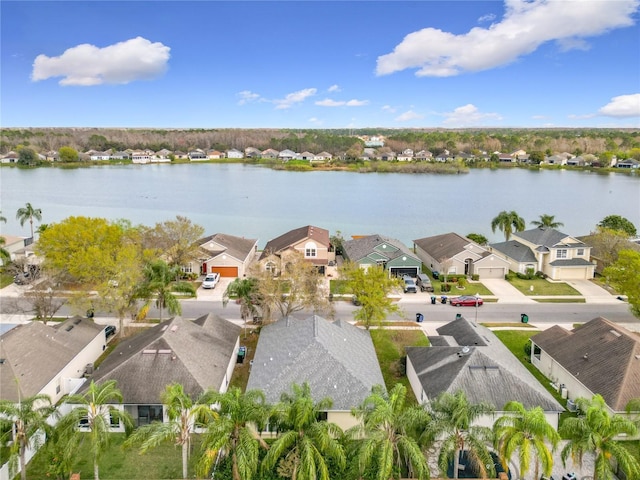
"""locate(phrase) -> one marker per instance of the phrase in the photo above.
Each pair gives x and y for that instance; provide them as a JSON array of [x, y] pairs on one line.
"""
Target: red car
[[465, 301]]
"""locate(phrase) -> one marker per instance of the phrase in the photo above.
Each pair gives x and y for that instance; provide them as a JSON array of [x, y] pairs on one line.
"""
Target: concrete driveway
[[505, 292], [592, 292]]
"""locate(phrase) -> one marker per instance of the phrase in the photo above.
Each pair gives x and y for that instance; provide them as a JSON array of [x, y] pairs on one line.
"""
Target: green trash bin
[[524, 318], [458, 315]]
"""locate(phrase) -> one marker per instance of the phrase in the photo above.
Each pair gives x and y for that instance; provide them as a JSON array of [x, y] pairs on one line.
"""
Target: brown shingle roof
[[281, 243], [603, 356], [443, 246], [237, 247]]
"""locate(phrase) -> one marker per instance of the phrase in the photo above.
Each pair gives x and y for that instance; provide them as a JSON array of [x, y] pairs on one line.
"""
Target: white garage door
[[491, 272], [570, 274]]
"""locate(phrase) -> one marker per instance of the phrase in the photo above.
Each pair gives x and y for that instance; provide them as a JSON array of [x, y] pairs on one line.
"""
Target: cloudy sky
[[311, 64]]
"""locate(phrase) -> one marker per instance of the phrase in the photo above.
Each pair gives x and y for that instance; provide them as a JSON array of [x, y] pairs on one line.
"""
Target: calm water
[[261, 203]]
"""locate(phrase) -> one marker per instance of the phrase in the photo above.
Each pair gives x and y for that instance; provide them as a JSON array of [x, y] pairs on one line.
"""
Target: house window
[[149, 413], [270, 267], [310, 250], [562, 253], [58, 387], [536, 351], [187, 268], [114, 420], [580, 252]]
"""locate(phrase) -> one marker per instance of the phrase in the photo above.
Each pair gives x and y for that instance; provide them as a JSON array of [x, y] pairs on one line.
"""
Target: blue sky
[[311, 64]]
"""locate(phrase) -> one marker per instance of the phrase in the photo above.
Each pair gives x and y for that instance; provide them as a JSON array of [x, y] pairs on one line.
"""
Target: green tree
[[24, 424], [28, 156], [177, 240], [183, 414], [624, 274], [616, 222], [371, 288], [245, 291], [547, 221], [452, 422], [536, 157], [68, 154], [96, 411], [392, 434], [28, 212], [528, 433], [594, 432], [478, 238], [5, 256], [507, 222], [233, 432], [158, 280], [304, 441]]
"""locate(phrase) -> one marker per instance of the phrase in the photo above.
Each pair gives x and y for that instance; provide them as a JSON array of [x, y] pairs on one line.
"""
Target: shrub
[[445, 287], [475, 277], [462, 282], [540, 274], [510, 276]]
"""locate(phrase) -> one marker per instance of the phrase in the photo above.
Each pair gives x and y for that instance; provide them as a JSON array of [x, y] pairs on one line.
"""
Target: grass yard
[[542, 287], [511, 324], [560, 300], [389, 345], [5, 279], [162, 462]]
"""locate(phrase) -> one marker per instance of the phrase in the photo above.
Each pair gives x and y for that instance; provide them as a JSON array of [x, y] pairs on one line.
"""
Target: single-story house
[[11, 157], [214, 154], [629, 163], [323, 157], [197, 155], [336, 359], [227, 255], [546, 250], [468, 357], [270, 153], [252, 152], [457, 254], [306, 156], [198, 354], [599, 357], [140, 157], [48, 359], [234, 153], [389, 253], [286, 155], [312, 242]]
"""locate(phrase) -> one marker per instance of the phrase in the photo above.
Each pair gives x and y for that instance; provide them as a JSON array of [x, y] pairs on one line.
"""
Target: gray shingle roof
[[35, 353], [543, 236], [336, 359], [443, 246], [359, 248], [516, 250], [612, 366], [572, 262], [485, 373], [237, 247], [193, 353]]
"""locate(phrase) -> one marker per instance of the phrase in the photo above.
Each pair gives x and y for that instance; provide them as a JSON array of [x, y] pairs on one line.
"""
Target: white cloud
[[468, 115], [408, 115], [328, 102], [622, 106], [538, 117], [334, 88], [389, 108], [315, 121], [247, 96], [295, 97], [574, 116], [120, 63], [526, 25], [490, 17]]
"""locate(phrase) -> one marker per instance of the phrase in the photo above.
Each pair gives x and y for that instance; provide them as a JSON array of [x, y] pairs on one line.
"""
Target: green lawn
[[560, 300], [5, 279], [543, 287], [162, 462], [389, 345]]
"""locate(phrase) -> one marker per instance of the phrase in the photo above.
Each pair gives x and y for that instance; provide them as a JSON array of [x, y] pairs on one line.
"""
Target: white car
[[211, 280]]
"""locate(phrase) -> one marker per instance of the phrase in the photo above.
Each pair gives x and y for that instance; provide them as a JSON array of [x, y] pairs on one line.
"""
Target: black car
[[110, 331]]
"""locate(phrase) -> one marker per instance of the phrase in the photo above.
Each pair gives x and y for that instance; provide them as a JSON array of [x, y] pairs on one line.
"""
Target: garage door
[[570, 274], [225, 271], [491, 272], [398, 272]]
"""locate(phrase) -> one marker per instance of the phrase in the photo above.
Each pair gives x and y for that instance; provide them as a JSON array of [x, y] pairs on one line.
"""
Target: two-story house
[[312, 242], [546, 250]]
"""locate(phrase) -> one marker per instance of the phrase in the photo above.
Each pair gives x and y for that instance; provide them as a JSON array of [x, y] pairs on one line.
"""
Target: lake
[[257, 202]]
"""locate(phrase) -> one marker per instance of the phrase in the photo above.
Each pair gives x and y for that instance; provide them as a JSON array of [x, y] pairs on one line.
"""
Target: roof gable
[[292, 237], [548, 237], [237, 247], [375, 247], [443, 246]]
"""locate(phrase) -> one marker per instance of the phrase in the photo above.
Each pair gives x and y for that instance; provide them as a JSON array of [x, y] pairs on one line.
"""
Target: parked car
[[465, 301], [110, 330], [409, 285], [424, 283], [211, 280]]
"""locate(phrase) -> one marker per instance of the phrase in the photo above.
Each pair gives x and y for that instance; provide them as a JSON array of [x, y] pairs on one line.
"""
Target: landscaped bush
[[510, 276], [184, 287], [475, 277], [540, 274], [445, 287], [462, 282]]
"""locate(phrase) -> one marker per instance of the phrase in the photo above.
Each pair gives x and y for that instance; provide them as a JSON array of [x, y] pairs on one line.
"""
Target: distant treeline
[[334, 141]]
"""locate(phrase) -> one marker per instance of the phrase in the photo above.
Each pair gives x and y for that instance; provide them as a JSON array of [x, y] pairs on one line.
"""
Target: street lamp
[[477, 297]]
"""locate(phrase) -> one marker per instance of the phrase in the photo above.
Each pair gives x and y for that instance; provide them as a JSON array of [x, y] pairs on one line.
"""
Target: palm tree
[[547, 221], [391, 430], [245, 290], [158, 279], [25, 424], [304, 441], [594, 432], [526, 432], [28, 213], [507, 222], [4, 253], [93, 411], [452, 423], [183, 414], [3, 219], [233, 432]]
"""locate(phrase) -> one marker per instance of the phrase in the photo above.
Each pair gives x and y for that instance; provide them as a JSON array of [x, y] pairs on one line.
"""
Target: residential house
[[468, 357], [252, 152], [180, 155], [227, 255], [546, 250], [443, 157], [556, 160], [234, 153], [336, 359], [465, 157], [406, 155], [387, 156], [96, 156], [122, 156], [197, 155], [198, 354], [454, 254], [519, 155], [13, 245], [388, 253], [312, 242], [323, 157], [506, 158], [598, 357], [52, 156], [629, 163], [270, 153], [140, 157], [373, 141], [424, 155], [308, 156], [286, 155], [576, 162], [48, 359], [161, 156], [214, 154]]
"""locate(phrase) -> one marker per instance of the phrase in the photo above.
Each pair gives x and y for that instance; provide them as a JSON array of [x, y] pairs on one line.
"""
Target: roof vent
[[586, 356], [465, 350], [69, 328], [149, 352], [174, 328], [616, 333]]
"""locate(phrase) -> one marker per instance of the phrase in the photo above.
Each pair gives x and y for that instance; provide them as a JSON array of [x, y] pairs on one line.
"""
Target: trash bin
[[433, 299], [458, 315], [443, 299], [419, 317], [524, 318], [242, 352]]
